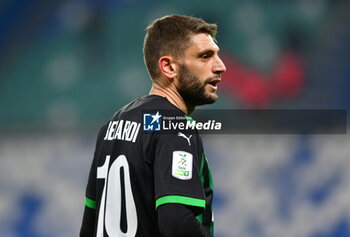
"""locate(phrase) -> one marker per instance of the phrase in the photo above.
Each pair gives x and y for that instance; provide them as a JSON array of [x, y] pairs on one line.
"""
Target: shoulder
[[143, 103]]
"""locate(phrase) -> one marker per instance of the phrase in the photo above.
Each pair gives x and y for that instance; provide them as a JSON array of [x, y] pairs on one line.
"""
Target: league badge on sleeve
[[182, 165]]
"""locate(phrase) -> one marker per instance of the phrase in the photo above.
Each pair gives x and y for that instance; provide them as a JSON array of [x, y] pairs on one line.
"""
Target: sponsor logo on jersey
[[122, 130], [182, 165], [151, 122], [180, 134]]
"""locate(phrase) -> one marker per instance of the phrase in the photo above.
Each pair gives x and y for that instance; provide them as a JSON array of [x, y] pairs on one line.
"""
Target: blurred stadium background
[[66, 66]]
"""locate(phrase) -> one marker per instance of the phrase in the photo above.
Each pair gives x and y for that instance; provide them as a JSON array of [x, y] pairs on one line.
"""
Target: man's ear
[[167, 66]]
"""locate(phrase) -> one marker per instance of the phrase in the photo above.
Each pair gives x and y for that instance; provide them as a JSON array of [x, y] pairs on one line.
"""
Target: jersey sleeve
[[90, 193], [177, 170], [87, 228], [179, 220]]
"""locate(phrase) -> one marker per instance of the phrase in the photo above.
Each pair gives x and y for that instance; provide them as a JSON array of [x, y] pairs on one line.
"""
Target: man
[[151, 183]]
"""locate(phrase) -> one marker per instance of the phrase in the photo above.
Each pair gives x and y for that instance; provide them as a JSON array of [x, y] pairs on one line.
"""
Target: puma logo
[[180, 134]]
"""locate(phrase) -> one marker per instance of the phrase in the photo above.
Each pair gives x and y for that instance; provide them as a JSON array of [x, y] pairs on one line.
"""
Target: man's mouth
[[214, 82]]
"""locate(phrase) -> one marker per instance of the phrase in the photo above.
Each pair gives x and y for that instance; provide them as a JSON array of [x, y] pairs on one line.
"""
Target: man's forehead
[[202, 41]]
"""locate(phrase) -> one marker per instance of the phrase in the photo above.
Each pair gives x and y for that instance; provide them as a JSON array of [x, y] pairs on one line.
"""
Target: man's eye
[[205, 56]]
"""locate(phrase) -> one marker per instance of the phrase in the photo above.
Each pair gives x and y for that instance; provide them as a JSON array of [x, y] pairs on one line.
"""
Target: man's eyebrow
[[209, 51]]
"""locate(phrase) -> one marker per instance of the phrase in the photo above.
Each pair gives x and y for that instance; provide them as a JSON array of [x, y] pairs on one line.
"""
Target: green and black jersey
[[135, 171]]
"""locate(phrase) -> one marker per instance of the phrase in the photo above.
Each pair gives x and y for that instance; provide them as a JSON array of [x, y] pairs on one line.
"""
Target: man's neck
[[172, 95]]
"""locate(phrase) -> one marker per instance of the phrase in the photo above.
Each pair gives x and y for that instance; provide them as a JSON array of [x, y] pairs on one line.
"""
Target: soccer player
[[152, 183]]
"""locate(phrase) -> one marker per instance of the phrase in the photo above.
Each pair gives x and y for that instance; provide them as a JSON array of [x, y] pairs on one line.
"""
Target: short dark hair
[[171, 35]]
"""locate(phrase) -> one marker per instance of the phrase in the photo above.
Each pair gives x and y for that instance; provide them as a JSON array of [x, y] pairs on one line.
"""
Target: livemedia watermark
[[247, 121]]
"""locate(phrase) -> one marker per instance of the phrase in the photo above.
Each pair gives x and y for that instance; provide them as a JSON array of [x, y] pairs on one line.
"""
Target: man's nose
[[219, 66]]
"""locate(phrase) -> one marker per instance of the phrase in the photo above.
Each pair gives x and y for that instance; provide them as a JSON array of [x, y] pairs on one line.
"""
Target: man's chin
[[212, 98], [207, 100], [199, 98]]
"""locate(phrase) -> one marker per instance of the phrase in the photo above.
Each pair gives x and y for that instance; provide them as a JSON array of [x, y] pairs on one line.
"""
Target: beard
[[192, 89]]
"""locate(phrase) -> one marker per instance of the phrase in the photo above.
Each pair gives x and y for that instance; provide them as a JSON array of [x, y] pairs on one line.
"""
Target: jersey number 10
[[111, 197]]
